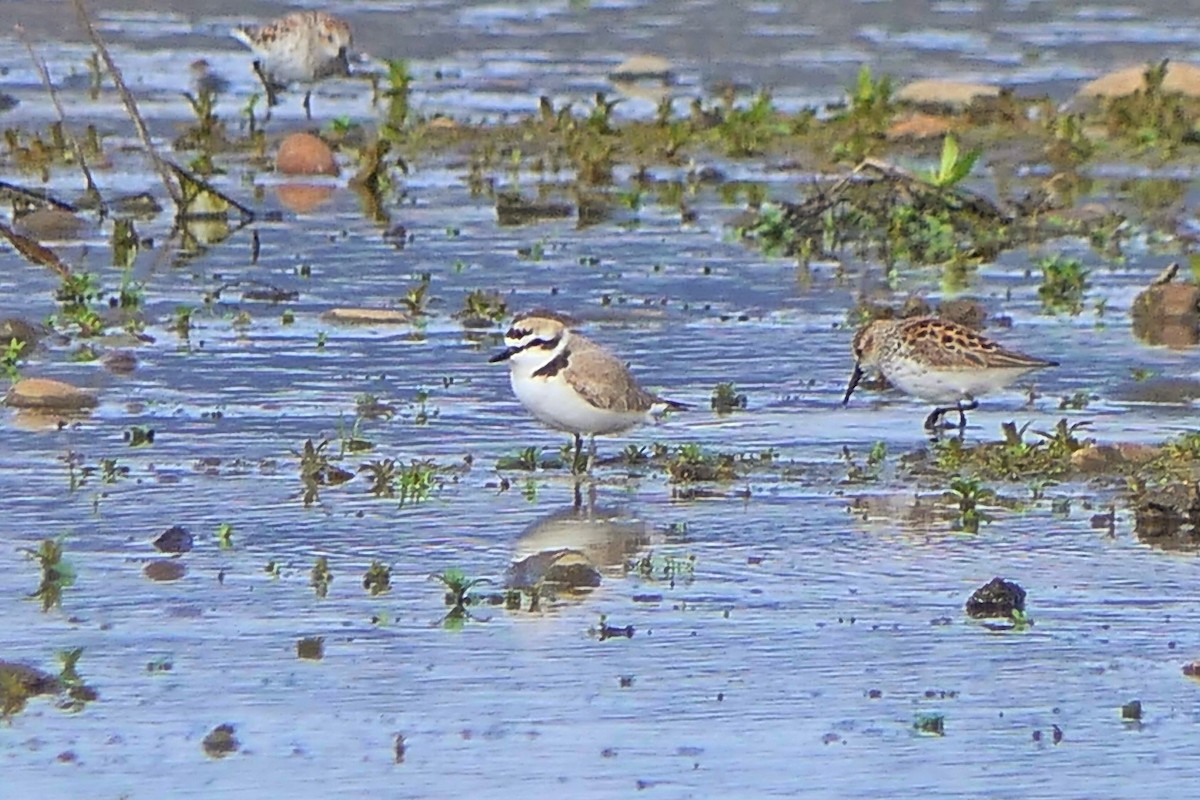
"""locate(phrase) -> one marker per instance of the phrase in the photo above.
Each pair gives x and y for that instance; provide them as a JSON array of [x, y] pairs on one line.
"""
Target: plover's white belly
[[944, 385], [556, 404]]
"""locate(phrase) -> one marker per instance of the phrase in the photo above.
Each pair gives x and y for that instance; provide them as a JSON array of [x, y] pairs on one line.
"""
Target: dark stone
[[997, 598], [221, 741], [175, 539]]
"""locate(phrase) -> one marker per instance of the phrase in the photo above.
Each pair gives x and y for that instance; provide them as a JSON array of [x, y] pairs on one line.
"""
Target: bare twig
[[185, 176], [35, 251], [40, 65], [139, 124]]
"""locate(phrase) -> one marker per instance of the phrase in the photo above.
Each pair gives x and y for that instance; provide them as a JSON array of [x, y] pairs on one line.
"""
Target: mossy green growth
[[1013, 458]]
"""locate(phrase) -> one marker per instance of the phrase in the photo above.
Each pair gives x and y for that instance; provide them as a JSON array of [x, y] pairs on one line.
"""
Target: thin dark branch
[[127, 100], [40, 66]]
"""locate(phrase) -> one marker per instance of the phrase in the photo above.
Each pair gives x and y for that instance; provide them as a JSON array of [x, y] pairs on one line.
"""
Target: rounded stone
[[366, 316], [1181, 78], [49, 394], [305, 154], [945, 93]]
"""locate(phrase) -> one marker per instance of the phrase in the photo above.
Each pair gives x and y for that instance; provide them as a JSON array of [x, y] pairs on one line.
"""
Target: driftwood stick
[[131, 108], [40, 66]]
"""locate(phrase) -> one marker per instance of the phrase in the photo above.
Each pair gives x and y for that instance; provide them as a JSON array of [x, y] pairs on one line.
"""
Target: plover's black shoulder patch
[[554, 365]]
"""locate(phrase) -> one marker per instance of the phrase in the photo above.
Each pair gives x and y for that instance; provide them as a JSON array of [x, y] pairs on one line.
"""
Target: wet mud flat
[[281, 518]]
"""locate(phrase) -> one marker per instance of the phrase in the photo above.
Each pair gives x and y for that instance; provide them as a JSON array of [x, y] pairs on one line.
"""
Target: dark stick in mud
[[127, 100], [40, 66]]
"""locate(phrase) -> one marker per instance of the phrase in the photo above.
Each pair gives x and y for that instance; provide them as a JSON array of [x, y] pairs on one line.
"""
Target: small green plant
[[954, 166], [868, 114], [872, 468], [139, 436], [668, 568], [57, 573], [930, 724], [1064, 281], [416, 482], [382, 476], [182, 324], [12, 358], [224, 536], [457, 587], [378, 579], [78, 295], [321, 577], [969, 493], [483, 306], [416, 298], [725, 399]]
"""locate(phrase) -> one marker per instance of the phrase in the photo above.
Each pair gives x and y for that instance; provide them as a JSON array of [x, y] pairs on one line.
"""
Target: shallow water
[[753, 677]]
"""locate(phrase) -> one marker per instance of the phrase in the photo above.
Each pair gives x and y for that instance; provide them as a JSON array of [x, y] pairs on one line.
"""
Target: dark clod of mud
[[1169, 512], [175, 539], [311, 648], [221, 741], [997, 598], [1132, 711]]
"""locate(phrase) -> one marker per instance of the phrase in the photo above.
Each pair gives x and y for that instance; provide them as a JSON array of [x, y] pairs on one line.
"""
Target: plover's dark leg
[[591, 453], [307, 106], [578, 454]]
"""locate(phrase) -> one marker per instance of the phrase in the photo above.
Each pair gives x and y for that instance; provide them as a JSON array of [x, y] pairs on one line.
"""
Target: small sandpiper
[[302, 47], [939, 361], [572, 384]]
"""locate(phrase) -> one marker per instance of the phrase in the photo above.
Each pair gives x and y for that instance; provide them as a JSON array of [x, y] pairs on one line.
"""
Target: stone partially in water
[[918, 126], [120, 362], [49, 394], [1102, 458], [366, 316], [28, 333], [997, 598], [1180, 78], [1168, 314], [953, 94], [49, 224], [305, 154], [175, 539], [221, 741], [643, 68], [566, 569]]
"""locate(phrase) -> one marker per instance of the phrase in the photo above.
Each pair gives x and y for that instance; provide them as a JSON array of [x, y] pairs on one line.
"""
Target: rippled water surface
[[814, 619]]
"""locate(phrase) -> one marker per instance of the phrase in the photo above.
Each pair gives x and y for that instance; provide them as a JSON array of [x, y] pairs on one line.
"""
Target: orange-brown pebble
[[303, 198], [46, 393], [305, 154]]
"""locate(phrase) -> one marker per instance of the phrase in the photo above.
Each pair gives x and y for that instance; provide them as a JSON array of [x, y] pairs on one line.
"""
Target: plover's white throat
[[939, 361], [301, 47], [572, 384]]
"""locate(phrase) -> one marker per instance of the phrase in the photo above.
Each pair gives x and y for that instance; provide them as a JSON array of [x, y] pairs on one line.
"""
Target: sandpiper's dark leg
[[307, 106], [970, 405], [931, 422], [579, 494]]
